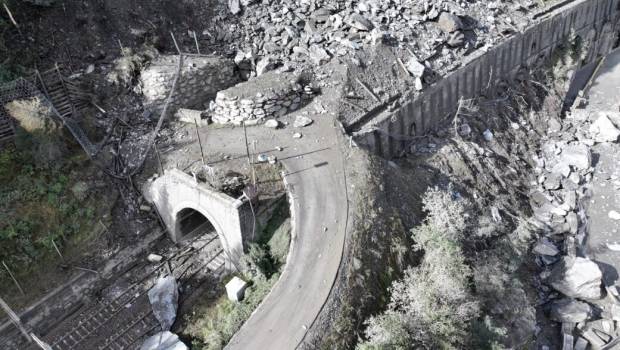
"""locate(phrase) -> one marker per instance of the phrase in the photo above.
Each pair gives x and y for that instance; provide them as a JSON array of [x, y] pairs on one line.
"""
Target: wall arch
[[177, 191]]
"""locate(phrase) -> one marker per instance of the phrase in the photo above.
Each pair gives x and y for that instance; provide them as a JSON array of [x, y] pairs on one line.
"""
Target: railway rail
[[127, 318]]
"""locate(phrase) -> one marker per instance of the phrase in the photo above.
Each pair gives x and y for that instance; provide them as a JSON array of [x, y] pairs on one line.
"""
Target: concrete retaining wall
[[594, 21], [201, 78]]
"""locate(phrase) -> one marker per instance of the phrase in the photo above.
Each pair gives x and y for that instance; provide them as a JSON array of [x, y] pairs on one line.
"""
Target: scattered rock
[[553, 181], [416, 68], [488, 135], [576, 155], [272, 123], [546, 247], [302, 121], [419, 86], [603, 130], [164, 297], [449, 22], [614, 215], [234, 6], [464, 129], [32, 114], [318, 55], [577, 277], [265, 65], [190, 116], [569, 310], [297, 135], [360, 22], [154, 258]]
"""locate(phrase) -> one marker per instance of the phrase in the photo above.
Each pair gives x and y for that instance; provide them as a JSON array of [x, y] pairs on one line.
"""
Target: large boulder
[[164, 297], [449, 22], [577, 277], [163, 341], [576, 155], [570, 310], [603, 130]]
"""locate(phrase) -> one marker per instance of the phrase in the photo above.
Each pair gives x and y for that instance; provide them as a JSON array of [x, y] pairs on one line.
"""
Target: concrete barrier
[[595, 22]]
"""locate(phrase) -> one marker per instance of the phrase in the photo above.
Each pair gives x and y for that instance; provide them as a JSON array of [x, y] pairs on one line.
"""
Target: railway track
[[122, 321]]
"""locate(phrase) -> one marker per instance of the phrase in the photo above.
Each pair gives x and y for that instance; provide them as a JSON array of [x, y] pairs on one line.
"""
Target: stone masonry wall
[[269, 96], [201, 78], [596, 22]]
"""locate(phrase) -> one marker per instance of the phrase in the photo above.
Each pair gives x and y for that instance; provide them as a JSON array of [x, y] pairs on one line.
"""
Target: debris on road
[[302, 121]]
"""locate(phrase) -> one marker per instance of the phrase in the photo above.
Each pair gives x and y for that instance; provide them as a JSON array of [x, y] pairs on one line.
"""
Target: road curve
[[317, 189], [316, 185]]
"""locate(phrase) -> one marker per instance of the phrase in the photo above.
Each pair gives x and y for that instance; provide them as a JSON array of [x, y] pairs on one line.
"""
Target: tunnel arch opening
[[192, 223]]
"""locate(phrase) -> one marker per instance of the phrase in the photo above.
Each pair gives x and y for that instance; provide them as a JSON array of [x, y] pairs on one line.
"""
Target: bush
[[446, 212], [433, 305], [213, 328], [37, 209]]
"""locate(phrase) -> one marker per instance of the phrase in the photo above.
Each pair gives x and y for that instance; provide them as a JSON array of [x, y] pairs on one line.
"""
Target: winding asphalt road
[[315, 180], [603, 240]]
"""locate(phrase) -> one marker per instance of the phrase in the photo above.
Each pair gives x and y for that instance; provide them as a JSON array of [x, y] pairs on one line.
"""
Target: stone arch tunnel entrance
[[191, 223], [189, 207]]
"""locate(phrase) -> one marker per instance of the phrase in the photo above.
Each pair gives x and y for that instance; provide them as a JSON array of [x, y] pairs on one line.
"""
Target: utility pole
[[15, 319], [13, 278], [247, 151], [202, 153]]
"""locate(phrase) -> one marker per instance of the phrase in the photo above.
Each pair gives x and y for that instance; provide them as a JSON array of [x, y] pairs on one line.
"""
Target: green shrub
[[37, 209], [213, 328], [432, 305]]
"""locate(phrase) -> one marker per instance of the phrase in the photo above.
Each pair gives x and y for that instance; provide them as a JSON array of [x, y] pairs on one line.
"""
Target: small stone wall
[[271, 95], [201, 78]]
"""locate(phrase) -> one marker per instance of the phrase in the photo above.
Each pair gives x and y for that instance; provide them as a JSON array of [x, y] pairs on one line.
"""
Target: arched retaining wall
[[594, 21]]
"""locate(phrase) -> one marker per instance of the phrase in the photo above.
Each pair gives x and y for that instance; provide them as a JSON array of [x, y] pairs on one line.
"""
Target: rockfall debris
[[438, 32], [578, 296]]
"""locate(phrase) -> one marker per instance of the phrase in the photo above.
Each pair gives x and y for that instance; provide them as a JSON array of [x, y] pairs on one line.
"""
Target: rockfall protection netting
[[29, 89]]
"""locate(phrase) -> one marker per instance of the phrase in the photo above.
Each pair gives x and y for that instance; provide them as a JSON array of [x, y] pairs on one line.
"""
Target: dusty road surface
[[314, 175], [603, 242]]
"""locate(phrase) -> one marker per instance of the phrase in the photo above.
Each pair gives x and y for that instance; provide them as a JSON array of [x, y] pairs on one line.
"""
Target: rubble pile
[[271, 96], [438, 32], [201, 77], [573, 285]]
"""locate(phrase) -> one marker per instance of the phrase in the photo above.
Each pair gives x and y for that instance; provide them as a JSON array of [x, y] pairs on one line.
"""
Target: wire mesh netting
[[28, 90], [19, 89]]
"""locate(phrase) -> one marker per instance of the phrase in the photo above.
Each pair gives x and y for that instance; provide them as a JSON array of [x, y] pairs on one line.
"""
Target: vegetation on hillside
[[214, 324], [432, 305], [41, 205]]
